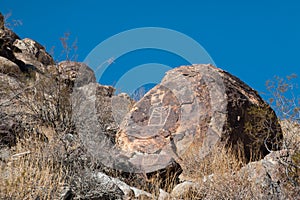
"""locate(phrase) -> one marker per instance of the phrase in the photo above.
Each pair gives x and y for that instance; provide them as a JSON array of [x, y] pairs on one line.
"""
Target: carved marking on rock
[[159, 115]]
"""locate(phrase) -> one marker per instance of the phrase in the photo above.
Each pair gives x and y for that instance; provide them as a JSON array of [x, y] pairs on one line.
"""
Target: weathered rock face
[[25, 53], [272, 176], [70, 71], [7, 49], [200, 107], [32, 51], [1, 21]]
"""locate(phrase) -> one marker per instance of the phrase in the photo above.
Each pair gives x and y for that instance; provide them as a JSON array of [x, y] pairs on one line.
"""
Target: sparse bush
[[285, 101], [260, 127], [69, 51], [11, 23]]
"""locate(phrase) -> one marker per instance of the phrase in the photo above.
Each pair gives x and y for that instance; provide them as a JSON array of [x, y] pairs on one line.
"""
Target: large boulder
[[198, 107]]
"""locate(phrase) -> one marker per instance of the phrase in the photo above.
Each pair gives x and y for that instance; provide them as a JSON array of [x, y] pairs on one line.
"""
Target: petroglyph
[[159, 115]]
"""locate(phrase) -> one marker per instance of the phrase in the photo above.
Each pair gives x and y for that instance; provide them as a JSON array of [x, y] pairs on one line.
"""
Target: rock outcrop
[[114, 148], [30, 51], [269, 175], [7, 49], [200, 107], [34, 90]]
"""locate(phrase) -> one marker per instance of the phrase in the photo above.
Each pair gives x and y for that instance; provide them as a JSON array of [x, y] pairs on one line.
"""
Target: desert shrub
[[263, 130], [286, 101]]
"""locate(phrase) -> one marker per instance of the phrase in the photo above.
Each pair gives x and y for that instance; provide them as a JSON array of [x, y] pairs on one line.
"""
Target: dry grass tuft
[[31, 171], [219, 161], [215, 175]]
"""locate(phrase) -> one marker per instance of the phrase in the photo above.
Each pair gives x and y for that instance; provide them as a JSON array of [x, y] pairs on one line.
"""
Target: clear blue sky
[[254, 41]]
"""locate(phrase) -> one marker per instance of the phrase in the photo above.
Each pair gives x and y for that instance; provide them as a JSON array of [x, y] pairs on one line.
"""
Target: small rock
[[183, 190], [66, 194], [163, 195]]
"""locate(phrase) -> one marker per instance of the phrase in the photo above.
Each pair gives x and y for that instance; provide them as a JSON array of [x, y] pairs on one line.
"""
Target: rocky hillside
[[200, 134]]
